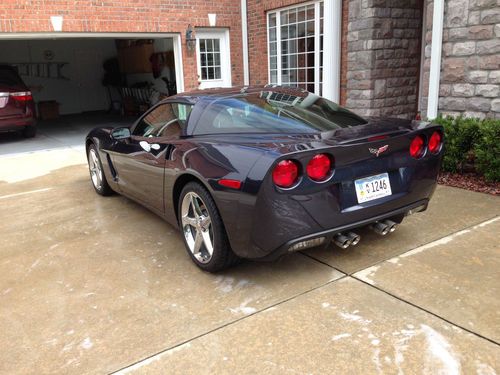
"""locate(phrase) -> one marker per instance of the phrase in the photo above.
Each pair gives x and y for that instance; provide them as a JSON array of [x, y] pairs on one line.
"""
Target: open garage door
[[79, 81]]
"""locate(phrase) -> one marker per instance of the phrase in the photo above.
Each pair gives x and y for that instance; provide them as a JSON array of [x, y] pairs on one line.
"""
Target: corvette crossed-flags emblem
[[378, 151]]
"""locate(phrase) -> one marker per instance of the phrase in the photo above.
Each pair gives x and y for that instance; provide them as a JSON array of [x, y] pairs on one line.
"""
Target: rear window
[[264, 113], [8, 76]]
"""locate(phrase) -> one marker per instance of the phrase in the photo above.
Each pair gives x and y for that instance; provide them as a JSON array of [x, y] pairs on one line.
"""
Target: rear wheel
[[96, 172], [203, 230], [29, 131]]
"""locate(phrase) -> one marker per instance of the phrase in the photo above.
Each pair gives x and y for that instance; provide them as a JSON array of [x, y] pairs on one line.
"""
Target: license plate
[[373, 187], [3, 101]]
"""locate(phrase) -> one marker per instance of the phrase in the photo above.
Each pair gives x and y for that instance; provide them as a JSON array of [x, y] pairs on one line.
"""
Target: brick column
[[383, 44]]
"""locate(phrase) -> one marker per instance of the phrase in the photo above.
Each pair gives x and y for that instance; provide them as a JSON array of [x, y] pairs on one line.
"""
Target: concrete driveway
[[101, 285]]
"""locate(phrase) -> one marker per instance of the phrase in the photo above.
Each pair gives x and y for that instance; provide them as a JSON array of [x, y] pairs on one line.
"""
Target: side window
[[153, 121], [166, 120], [180, 115]]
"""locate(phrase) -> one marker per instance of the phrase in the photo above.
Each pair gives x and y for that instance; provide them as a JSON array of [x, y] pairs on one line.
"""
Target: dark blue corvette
[[259, 172]]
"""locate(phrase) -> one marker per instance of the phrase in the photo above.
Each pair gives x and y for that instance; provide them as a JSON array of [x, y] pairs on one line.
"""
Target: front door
[[213, 58], [140, 161]]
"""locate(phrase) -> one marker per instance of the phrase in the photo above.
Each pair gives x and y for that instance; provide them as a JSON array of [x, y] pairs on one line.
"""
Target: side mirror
[[120, 133]]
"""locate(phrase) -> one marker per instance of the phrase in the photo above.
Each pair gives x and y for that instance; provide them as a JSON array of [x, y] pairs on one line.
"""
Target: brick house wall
[[151, 16], [470, 60], [383, 57], [380, 45]]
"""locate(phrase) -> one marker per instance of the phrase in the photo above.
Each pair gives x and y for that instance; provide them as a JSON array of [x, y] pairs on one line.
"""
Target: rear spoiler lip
[[367, 138]]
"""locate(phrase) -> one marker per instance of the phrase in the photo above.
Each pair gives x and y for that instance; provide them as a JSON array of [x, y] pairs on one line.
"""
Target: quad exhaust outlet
[[345, 240], [341, 241], [384, 227], [354, 238]]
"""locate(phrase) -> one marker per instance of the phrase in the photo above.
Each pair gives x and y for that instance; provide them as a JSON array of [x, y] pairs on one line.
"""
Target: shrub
[[471, 141], [487, 150], [460, 135]]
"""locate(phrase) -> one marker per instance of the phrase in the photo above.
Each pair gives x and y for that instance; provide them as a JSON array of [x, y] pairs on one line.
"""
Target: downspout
[[331, 54], [435, 72], [244, 36]]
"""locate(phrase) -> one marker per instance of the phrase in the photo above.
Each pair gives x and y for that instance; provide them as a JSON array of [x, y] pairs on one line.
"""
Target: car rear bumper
[[16, 123], [265, 227], [328, 235]]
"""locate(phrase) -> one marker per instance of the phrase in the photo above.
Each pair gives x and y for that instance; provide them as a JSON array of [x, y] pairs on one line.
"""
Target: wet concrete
[[343, 328], [456, 278], [92, 285]]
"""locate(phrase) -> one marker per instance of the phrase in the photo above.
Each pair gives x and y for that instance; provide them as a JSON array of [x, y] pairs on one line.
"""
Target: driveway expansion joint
[[426, 310], [420, 245], [135, 365]]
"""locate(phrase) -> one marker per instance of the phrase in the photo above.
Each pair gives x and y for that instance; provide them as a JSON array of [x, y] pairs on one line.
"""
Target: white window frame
[[223, 35], [206, 66], [332, 17]]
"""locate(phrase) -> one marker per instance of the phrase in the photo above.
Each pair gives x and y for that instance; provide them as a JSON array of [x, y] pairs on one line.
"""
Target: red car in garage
[[17, 109]]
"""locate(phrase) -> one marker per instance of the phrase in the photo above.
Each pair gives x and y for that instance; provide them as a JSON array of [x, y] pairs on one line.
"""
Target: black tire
[[29, 131], [223, 256], [103, 188]]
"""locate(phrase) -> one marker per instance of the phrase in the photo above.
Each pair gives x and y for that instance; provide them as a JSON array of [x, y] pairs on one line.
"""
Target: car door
[[139, 161]]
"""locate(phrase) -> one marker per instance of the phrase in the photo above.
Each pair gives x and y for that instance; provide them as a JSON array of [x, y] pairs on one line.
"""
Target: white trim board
[[436, 48], [53, 35], [244, 37]]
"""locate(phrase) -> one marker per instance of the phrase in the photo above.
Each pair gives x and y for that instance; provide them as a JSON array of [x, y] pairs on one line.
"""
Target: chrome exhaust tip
[[380, 228], [354, 238], [391, 224], [341, 241]]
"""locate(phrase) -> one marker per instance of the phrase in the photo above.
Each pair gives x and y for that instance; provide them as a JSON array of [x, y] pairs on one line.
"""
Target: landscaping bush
[[487, 150], [472, 142]]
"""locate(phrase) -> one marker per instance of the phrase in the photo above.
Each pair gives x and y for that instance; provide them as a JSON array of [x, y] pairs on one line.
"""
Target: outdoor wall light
[[57, 22], [190, 38]]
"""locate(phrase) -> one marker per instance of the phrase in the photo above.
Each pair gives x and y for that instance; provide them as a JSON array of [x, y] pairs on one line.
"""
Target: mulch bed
[[469, 181]]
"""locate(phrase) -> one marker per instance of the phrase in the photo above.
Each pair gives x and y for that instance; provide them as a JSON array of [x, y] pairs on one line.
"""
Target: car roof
[[221, 93]]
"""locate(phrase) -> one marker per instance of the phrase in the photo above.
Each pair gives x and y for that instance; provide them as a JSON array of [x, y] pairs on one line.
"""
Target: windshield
[[271, 112], [8, 76]]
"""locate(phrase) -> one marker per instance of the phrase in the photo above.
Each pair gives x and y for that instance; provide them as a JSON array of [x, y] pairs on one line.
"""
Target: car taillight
[[319, 167], [24, 96], [417, 147], [435, 142], [286, 173]]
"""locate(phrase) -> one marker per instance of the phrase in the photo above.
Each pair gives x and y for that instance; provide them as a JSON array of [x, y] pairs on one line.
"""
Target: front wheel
[[96, 173], [203, 230]]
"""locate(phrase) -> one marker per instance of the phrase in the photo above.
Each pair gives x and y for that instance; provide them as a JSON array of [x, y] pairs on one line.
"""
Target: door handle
[[149, 146]]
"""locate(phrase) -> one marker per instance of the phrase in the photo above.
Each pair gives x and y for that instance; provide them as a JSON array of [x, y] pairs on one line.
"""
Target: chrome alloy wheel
[[197, 227], [95, 169]]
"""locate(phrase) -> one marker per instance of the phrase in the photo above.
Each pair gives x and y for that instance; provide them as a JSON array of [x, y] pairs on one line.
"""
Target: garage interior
[[80, 83]]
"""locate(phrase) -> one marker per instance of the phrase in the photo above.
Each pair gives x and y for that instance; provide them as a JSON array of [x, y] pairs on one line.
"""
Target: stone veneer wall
[[383, 59], [470, 64]]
